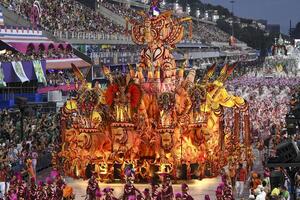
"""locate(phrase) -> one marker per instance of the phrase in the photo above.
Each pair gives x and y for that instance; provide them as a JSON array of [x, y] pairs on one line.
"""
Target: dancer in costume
[[50, 189], [92, 188], [155, 194], [21, 188], [167, 189], [108, 193], [32, 189], [130, 192], [41, 193], [178, 196], [146, 193], [185, 194]]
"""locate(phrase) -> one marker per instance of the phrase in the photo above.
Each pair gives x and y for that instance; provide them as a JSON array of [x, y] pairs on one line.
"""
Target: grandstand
[[69, 32]]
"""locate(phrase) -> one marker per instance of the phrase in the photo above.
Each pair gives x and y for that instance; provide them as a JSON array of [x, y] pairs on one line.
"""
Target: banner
[[2, 82], [37, 65], [18, 68]]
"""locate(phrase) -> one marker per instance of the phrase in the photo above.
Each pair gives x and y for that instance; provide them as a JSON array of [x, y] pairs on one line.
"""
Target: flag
[[2, 82], [37, 65], [18, 68]]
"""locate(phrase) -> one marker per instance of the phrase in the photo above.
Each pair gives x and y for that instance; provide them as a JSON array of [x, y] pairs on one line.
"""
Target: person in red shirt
[[241, 176]]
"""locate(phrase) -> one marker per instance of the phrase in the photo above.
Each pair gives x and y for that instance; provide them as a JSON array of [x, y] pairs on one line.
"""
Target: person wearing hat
[[92, 188], [32, 189], [185, 194], [108, 192], [129, 190], [40, 192], [206, 197], [178, 196], [50, 188], [155, 193], [146, 194], [21, 188], [167, 189]]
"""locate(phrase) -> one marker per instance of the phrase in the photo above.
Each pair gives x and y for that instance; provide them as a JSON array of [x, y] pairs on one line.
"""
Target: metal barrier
[[65, 35], [89, 36]]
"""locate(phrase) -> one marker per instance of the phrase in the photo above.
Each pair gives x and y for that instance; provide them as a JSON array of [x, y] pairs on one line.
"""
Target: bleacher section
[[29, 42]]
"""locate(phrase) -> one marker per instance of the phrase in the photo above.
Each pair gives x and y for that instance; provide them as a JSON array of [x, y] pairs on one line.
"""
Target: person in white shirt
[[34, 155]]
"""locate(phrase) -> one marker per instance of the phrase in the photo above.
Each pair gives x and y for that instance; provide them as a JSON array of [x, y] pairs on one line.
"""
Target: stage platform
[[198, 189]]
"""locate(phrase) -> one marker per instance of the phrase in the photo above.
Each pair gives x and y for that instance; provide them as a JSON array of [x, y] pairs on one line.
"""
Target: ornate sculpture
[[160, 33], [163, 119]]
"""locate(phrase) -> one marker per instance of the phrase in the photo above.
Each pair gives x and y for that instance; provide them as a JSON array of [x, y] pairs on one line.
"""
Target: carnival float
[[284, 57], [154, 118]]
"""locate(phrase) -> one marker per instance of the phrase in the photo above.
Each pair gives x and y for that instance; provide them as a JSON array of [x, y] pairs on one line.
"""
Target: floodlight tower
[[232, 10]]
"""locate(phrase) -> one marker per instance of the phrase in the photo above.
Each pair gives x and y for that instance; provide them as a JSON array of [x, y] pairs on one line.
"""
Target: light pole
[[232, 9]]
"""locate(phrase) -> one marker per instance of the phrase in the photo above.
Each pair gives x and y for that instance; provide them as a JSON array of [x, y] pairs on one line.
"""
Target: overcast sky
[[275, 11]]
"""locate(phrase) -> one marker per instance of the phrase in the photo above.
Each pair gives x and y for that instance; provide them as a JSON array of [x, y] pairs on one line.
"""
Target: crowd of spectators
[[69, 15], [202, 31], [120, 9], [10, 56], [60, 77], [272, 95], [259, 185], [66, 15], [209, 33], [269, 107], [26, 147]]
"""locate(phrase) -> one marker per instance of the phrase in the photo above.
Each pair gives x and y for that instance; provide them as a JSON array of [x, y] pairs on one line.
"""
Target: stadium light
[[188, 9], [232, 3], [198, 13]]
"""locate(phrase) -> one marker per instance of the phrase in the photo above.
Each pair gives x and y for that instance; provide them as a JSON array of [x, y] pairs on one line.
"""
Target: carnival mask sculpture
[[166, 141]]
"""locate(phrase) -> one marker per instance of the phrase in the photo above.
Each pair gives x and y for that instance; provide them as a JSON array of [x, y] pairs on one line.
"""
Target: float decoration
[[154, 123]]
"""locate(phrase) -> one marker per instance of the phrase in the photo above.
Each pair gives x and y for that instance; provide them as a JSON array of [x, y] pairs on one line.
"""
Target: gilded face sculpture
[[166, 141], [84, 141], [119, 136]]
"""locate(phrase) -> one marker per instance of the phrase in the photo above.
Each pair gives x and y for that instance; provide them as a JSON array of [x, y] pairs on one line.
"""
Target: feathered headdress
[[210, 73], [230, 70], [78, 74], [111, 93], [135, 92], [223, 73]]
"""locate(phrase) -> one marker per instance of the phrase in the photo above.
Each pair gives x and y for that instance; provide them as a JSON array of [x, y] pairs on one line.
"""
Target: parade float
[[155, 118], [283, 62]]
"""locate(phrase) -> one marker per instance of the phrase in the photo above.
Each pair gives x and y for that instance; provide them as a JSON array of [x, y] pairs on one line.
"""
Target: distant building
[[215, 16], [263, 21], [273, 28], [206, 15]]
